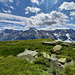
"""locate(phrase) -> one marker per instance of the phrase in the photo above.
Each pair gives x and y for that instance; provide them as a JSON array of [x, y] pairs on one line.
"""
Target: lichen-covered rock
[[46, 55], [62, 60], [57, 48], [51, 43]]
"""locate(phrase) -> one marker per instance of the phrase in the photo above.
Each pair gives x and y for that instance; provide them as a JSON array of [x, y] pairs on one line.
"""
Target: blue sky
[[41, 14]]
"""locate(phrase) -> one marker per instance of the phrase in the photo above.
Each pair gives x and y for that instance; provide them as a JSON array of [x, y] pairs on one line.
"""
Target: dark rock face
[[65, 34], [32, 33]]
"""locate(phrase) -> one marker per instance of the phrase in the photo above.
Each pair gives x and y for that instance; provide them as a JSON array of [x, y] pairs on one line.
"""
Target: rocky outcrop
[[63, 62], [51, 43], [57, 48], [26, 52], [32, 33], [66, 44], [28, 55]]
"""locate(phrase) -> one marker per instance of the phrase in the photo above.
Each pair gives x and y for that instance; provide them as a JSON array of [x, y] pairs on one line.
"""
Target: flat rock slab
[[66, 44], [51, 43], [57, 48], [62, 60], [28, 55], [27, 52]]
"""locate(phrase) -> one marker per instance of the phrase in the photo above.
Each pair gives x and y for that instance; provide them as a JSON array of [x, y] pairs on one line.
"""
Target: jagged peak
[[32, 28]]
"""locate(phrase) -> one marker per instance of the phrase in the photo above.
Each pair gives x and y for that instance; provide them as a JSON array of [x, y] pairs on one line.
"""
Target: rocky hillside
[[67, 35], [37, 57]]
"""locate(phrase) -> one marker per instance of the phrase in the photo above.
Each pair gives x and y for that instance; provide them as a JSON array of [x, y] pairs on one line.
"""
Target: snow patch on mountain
[[56, 34], [68, 36], [47, 34]]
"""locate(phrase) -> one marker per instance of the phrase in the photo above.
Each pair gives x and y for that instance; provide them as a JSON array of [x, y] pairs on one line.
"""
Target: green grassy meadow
[[11, 65]]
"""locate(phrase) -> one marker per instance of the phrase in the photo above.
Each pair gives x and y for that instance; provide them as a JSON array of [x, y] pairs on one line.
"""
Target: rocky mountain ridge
[[67, 35]]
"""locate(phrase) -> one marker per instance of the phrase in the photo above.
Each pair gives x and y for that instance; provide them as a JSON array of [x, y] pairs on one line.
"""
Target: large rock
[[62, 60], [26, 52], [66, 63], [57, 48], [46, 55], [66, 44], [28, 55], [51, 43]]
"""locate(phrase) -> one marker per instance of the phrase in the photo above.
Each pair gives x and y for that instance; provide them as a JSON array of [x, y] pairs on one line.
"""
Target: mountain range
[[67, 35]]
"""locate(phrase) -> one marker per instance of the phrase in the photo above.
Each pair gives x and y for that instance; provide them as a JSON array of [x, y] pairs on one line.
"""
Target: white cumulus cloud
[[35, 1], [67, 6], [33, 9]]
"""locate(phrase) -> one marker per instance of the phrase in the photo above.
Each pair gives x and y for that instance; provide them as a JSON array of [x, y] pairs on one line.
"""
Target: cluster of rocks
[[31, 56], [57, 43], [51, 43], [61, 61]]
